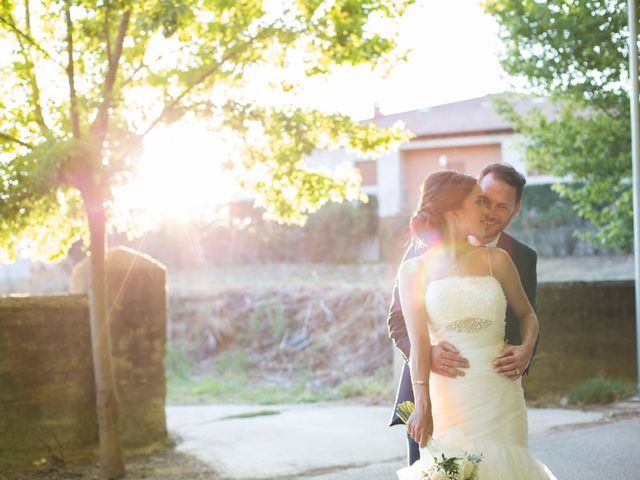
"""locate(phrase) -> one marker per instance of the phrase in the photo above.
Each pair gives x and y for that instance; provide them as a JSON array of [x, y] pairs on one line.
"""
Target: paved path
[[323, 442], [599, 452]]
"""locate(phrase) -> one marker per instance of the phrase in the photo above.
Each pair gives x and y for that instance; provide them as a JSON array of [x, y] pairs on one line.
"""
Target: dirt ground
[[167, 465]]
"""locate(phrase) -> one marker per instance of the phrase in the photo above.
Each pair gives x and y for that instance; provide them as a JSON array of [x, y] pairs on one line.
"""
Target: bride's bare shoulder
[[412, 268], [498, 254], [500, 259], [412, 264]]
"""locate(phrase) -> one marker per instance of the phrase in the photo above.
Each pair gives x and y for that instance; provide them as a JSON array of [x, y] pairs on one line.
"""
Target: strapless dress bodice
[[466, 311]]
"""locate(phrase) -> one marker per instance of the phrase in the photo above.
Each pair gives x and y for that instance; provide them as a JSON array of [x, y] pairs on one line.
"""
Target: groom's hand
[[446, 360], [512, 361]]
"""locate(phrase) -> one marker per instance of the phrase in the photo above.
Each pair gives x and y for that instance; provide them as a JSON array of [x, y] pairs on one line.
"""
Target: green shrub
[[378, 386], [278, 321], [231, 364], [360, 387], [177, 363], [600, 391], [550, 224], [334, 234]]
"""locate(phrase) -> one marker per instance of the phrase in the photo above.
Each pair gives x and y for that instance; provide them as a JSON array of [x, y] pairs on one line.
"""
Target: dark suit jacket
[[525, 260]]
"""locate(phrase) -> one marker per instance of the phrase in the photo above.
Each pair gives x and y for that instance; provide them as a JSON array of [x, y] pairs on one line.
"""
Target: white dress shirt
[[493, 243]]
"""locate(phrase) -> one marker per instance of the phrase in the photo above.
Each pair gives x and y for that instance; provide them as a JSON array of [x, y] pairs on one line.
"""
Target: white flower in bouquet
[[468, 469], [453, 468], [439, 475]]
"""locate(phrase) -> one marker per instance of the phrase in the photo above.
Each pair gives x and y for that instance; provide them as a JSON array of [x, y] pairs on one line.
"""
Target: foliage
[[177, 364], [279, 344], [548, 223], [228, 382], [83, 83], [576, 53], [337, 233], [600, 390], [374, 387]]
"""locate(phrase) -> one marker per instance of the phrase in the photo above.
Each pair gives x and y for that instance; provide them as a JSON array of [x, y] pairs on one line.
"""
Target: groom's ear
[[516, 210]]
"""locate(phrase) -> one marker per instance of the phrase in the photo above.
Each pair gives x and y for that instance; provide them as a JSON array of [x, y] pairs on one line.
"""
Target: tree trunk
[[111, 464]]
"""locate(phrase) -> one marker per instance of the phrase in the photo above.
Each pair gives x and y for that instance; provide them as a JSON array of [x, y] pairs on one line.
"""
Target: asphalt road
[[599, 452], [609, 451]]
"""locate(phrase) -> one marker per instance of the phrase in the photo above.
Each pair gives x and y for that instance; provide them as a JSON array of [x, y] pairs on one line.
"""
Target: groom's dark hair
[[508, 174]]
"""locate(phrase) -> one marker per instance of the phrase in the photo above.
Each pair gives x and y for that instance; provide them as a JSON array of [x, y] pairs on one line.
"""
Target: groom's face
[[501, 205]]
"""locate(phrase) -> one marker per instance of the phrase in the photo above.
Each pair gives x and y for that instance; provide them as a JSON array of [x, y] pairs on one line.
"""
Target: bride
[[455, 292]]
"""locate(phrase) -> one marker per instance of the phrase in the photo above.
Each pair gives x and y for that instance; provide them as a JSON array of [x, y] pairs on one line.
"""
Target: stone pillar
[[137, 301], [47, 400]]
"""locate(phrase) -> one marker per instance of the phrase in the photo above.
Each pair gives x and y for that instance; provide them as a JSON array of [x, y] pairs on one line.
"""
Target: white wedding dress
[[481, 412]]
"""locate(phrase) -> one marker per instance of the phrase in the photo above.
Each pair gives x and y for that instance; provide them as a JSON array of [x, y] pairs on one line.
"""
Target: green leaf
[[575, 53]]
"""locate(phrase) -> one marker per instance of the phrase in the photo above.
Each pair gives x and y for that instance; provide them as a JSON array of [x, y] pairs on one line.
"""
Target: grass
[[237, 389], [260, 413], [177, 364], [377, 387], [229, 380], [600, 391]]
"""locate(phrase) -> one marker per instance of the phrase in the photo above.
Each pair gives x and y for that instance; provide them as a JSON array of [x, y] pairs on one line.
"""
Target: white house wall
[[389, 188], [390, 180]]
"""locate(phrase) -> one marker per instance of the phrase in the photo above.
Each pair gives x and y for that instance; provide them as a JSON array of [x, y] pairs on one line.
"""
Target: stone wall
[[586, 329], [47, 392]]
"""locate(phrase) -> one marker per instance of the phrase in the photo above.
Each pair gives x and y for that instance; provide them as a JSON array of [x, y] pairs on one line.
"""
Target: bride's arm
[[411, 284], [507, 274]]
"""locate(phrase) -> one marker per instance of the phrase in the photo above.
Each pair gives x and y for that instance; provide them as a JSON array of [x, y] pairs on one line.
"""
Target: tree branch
[[605, 109], [21, 35], [34, 81], [107, 32], [99, 127], [206, 74], [9, 138], [73, 98], [155, 60]]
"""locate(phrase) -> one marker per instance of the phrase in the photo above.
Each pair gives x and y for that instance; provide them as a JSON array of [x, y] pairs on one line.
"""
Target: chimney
[[376, 110]]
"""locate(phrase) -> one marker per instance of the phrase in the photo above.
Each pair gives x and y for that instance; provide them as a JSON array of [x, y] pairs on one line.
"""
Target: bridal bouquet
[[453, 467]]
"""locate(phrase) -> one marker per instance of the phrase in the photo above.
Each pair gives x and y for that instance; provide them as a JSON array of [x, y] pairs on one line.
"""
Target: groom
[[503, 187]]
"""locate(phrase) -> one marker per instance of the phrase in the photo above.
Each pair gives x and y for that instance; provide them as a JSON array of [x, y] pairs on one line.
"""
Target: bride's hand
[[512, 361], [420, 425]]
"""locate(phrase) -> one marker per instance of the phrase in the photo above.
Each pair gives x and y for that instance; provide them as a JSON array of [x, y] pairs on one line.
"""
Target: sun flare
[[179, 176]]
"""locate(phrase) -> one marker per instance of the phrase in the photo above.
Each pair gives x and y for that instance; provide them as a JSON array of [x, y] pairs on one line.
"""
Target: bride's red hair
[[440, 193]]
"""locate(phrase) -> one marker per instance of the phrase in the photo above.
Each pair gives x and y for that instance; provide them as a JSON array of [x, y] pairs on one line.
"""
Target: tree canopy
[[576, 53], [83, 82]]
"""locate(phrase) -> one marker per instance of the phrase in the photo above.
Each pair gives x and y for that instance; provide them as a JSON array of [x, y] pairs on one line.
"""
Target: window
[[368, 171]]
